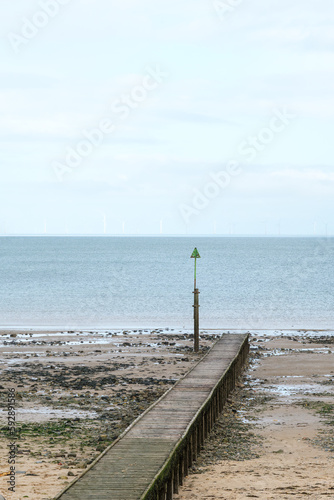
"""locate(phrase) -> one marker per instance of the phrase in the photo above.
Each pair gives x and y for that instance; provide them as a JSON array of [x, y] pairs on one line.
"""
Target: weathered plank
[[150, 459]]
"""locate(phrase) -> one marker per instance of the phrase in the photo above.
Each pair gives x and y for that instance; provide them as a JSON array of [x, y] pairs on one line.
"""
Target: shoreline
[[272, 331]]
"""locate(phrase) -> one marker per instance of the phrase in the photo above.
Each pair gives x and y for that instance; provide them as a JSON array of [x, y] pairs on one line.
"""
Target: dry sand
[[295, 428]]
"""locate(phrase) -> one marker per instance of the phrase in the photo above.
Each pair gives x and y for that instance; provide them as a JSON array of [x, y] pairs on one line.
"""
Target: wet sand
[[287, 403]]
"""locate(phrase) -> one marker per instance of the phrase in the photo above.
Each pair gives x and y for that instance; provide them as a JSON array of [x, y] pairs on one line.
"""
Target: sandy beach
[[77, 391], [281, 417]]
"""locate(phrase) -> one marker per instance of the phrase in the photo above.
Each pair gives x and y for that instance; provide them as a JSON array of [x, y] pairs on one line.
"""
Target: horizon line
[[151, 235]]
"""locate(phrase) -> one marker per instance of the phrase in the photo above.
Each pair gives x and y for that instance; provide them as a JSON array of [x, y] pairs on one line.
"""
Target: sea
[[147, 282]]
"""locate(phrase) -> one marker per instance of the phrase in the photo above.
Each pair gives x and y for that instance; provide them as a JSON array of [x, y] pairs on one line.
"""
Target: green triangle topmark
[[195, 254]]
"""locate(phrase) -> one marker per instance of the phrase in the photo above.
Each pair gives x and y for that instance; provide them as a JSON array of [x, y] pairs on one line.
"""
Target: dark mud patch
[[76, 377]]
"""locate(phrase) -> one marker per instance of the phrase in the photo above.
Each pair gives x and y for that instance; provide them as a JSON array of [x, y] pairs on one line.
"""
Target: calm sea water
[[147, 282]]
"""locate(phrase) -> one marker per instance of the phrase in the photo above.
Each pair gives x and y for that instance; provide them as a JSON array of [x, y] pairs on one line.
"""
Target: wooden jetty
[[152, 456]]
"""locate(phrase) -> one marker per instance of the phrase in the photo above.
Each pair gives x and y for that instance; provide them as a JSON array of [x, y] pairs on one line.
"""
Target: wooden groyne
[[153, 455]]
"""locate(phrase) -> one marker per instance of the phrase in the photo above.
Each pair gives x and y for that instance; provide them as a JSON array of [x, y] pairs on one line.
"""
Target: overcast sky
[[186, 116]]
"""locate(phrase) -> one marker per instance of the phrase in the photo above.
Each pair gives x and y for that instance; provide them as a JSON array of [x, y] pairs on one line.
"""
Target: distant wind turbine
[[3, 225], [265, 227], [104, 224], [231, 228], [161, 227], [104, 221]]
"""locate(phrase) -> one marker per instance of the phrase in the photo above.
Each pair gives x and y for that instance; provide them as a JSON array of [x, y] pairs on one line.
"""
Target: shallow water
[[253, 283], [47, 413]]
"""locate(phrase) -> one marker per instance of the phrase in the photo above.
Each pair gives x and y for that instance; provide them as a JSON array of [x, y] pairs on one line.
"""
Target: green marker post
[[195, 255]]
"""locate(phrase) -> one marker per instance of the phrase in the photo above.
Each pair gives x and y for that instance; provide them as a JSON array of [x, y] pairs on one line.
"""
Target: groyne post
[[195, 255]]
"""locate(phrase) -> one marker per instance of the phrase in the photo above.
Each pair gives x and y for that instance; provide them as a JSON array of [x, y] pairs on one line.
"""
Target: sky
[[178, 117]]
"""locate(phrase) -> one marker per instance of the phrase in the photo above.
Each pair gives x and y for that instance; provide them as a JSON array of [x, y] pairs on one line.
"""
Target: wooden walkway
[[149, 460]]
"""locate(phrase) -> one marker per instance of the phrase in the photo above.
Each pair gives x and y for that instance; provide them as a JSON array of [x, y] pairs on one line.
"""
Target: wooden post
[[181, 469], [170, 483], [176, 480], [162, 492], [190, 451], [195, 255], [220, 399], [185, 460], [196, 320], [214, 409], [200, 435], [195, 443], [207, 423]]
